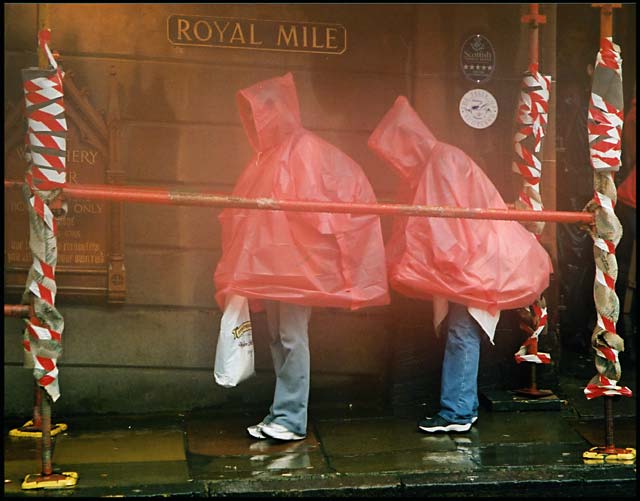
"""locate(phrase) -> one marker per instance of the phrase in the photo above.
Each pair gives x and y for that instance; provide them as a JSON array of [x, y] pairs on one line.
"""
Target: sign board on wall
[[477, 58], [82, 233], [256, 34]]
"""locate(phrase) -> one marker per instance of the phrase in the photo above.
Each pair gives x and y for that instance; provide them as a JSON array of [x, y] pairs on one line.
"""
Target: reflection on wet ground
[[351, 449]]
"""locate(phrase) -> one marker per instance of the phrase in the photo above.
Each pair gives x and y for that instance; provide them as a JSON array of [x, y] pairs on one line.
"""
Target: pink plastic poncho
[[488, 264], [309, 258]]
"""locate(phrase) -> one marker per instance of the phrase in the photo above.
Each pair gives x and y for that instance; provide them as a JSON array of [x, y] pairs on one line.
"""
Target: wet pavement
[[356, 449]]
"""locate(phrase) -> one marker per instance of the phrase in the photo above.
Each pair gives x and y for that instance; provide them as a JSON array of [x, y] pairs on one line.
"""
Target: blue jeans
[[288, 326], [459, 385]]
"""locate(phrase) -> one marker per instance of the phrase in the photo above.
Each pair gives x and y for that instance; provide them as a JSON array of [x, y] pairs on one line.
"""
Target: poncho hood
[[269, 111], [403, 140]]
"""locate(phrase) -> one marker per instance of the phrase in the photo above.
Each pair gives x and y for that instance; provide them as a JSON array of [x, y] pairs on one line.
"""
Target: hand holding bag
[[234, 353]]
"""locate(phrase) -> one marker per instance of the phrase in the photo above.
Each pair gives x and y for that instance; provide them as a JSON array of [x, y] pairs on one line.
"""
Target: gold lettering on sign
[[183, 26], [88, 157], [331, 37], [322, 38], [292, 34], [252, 35], [237, 34], [198, 31], [221, 31], [87, 208]]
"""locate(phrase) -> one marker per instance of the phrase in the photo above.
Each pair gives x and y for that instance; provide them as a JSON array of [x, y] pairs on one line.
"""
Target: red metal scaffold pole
[[44, 322], [606, 112], [163, 196], [531, 125]]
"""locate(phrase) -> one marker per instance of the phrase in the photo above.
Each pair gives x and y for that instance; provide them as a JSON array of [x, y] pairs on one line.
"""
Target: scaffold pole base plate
[[53, 481], [533, 392], [600, 455], [29, 431], [507, 400]]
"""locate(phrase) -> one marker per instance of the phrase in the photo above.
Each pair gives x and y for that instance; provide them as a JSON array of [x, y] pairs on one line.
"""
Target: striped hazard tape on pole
[[45, 177], [601, 385], [533, 323], [531, 125], [605, 121]]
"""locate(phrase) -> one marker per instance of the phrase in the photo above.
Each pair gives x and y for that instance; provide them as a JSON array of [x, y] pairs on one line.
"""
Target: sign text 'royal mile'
[[321, 38]]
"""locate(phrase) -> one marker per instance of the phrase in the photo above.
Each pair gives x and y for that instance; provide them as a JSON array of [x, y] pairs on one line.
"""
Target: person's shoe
[[438, 423], [474, 419], [279, 432], [256, 430]]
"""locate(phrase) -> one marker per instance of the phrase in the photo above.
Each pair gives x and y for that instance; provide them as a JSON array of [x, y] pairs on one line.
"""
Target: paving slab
[[219, 447], [594, 431], [376, 435], [524, 427]]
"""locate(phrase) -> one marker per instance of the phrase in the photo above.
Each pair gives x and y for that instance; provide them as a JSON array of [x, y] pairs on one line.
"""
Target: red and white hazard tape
[[605, 122], [531, 123], [46, 154], [537, 357], [601, 386]]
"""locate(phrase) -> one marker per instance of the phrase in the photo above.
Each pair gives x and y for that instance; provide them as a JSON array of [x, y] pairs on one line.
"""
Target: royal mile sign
[[236, 33]]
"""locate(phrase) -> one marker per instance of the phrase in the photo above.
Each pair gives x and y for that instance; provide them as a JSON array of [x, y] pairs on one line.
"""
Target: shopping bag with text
[[234, 354]]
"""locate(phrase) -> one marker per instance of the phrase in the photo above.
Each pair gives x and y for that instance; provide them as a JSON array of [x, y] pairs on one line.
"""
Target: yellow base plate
[[36, 481], [596, 455], [20, 432]]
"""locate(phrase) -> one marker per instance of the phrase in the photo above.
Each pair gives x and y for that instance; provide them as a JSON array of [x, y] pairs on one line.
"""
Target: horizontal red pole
[[16, 310], [164, 196]]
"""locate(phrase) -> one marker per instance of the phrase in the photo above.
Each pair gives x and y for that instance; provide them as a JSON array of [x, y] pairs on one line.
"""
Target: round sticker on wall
[[478, 108]]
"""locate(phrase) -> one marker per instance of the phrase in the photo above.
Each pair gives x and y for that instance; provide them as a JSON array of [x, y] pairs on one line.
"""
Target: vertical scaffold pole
[[605, 122], [531, 121], [46, 175]]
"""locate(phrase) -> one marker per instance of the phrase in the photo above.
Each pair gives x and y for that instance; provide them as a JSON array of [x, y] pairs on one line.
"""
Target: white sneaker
[[474, 419], [256, 430], [279, 432]]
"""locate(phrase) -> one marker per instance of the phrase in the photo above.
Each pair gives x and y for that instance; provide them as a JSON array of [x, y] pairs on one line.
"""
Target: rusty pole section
[[42, 399], [35, 426], [533, 18], [606, 31], [209, 199], [17, 310], [606, 18]]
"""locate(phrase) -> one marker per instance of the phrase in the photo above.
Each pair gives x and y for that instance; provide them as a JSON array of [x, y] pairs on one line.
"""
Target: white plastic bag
[[234, 353]]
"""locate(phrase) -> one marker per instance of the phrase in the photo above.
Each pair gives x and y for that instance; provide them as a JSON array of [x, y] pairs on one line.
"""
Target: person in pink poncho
[[470, 268], [289, 262]]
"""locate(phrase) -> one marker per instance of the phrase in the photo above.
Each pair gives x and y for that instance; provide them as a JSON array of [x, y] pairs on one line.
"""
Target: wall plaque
[[257, 34], [477, 58], [87, 256], [478, 108]]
